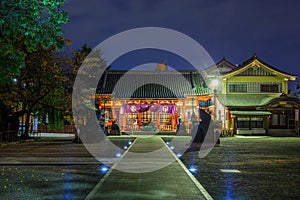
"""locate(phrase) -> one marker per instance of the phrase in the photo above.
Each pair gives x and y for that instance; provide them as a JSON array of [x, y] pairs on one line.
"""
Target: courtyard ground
[[241, 168]]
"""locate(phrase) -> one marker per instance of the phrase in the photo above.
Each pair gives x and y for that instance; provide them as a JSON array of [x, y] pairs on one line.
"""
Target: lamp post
[[214, 85], [193, 116], [104, 102]]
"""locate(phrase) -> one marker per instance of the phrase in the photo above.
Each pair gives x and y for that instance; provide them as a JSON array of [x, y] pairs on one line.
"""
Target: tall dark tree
[[297, 89], [77, 58]]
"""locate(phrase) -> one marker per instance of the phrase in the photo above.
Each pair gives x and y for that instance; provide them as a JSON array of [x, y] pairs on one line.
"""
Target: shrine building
[[251, 98], [160, 100]]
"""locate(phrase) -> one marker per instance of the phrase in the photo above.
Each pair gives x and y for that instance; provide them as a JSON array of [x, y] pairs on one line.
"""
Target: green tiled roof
[[254, 100], [152, 84], [256, 113], [153, 91], [245, 100]]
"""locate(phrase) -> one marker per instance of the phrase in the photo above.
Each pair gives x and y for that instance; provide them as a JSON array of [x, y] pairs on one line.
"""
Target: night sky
[[233, 29]]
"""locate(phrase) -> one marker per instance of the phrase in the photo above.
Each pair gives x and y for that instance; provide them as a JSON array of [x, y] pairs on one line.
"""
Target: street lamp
[[104, 99], [214, 85]]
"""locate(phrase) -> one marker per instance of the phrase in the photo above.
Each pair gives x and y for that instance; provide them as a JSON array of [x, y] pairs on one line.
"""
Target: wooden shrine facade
[[151, 100], [151, 114]]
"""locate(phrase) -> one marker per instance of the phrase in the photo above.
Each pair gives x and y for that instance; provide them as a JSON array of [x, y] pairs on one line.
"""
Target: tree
[[39, 86], [86, 65], [77, 58], [24, 25], [297, 89]]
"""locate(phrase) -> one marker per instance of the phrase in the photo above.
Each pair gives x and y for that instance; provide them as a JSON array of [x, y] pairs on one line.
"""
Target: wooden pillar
[[233, 124], [125, 121], [184, 110], [176, 119], [266, 122], [172, 122], [197, 109], [139, 119], [157, 124], [228, 119], [113, 109]]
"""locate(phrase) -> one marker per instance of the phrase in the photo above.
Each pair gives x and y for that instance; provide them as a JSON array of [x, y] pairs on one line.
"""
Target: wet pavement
[[250, 168], [241, 168]]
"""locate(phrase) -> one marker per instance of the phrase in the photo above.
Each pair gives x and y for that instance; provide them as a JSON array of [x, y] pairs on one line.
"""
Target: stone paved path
[[171, 182]]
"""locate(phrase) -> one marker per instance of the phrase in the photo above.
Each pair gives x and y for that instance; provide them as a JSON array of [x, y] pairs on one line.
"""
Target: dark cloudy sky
[[234, 29]]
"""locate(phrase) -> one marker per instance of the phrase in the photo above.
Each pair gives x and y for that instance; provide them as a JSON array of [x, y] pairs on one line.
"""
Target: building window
[[279, 120], [133, 117], [243, 122], [145, 117], [254, 87], [250, 122], [237, 87], [164, 117], [282, 119], [256, 124], [269, 88]]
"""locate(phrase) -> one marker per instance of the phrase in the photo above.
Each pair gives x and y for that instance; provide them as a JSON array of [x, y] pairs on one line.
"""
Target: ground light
[[129, 142], [103, 169], [193, 169], [118, 155]]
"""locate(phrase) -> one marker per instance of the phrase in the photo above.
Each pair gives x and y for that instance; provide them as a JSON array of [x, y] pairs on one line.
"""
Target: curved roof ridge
[[252, 59]]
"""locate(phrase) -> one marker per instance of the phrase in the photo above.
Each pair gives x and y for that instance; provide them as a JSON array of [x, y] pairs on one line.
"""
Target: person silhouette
[[199, 132], [115, 129]]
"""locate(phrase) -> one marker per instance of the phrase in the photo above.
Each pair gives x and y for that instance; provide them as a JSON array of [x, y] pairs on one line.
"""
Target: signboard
[[296, 115]]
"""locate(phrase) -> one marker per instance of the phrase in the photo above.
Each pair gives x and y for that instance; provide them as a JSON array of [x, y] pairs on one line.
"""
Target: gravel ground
[[269, 168]]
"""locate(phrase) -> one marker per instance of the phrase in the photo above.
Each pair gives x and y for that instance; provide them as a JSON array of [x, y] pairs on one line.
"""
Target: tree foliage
[[24, 25], [86, 66], [77, 59], [39, 86]]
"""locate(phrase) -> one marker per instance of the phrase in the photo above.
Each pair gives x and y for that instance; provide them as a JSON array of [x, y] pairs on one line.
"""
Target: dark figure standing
[[115, 129], [181, 128], [202, 127], [199, 132]]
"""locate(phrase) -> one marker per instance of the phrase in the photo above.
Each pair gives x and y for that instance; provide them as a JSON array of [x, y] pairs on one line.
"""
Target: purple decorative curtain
[[137, 108]]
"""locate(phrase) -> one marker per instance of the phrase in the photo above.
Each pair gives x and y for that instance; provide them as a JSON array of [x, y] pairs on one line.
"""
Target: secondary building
[[254, 99]]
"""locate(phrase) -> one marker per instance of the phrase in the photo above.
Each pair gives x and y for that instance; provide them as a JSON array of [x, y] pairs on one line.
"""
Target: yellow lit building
[[255, 99]]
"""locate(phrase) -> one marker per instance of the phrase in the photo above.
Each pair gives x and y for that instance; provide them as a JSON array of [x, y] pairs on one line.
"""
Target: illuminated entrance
[[154, 116], [151, 114]]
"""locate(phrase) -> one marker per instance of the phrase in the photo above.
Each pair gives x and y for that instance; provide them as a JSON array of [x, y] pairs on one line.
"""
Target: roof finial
[[161, 66]]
